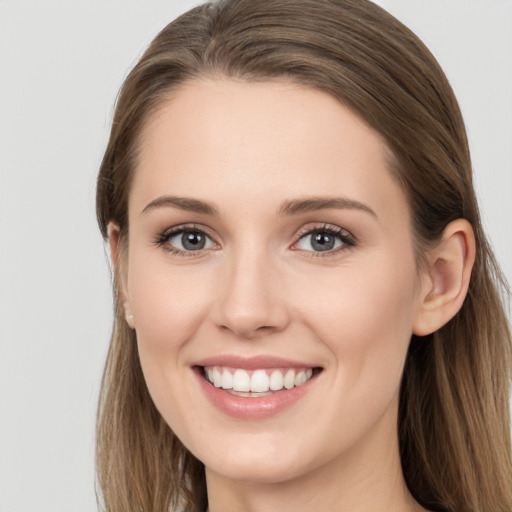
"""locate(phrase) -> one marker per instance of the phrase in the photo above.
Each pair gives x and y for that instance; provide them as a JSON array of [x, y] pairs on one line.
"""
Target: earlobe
[[117, 262], [446, 281], [128, 315]]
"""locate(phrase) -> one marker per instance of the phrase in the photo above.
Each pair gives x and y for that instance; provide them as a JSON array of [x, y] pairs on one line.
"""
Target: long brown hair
[[454, 430]]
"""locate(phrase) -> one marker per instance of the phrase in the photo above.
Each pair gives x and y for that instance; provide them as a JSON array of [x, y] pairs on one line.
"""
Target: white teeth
[[276, 380], [241, 381], [227, 380], [298, 378], [289, 379], [257, 382], [217, 378]]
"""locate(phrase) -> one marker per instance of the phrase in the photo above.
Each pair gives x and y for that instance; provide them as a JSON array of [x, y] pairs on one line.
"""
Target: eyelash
[[162, 240], [346, 239]]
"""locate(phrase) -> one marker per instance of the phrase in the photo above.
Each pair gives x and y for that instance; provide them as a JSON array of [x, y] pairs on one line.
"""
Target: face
[[271, 277]]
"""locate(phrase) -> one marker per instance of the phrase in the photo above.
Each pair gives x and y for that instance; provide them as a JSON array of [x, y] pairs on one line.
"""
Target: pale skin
[[270, 163]]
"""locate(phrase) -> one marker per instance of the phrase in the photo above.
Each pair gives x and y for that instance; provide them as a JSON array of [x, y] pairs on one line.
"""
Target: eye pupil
[[193, 241], [322, 241]]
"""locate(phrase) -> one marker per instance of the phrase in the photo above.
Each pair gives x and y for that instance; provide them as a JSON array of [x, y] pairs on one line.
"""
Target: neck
[[356, 482]]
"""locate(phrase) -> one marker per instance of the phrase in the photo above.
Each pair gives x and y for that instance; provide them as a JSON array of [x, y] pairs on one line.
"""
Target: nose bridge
[[252, 302]]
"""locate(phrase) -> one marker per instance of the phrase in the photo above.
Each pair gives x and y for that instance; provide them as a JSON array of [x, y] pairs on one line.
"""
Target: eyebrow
[[183, 203], [287, 208], [322, 203]]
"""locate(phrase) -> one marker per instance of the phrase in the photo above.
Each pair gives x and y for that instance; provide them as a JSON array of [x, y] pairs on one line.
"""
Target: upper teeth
[[258, 381]]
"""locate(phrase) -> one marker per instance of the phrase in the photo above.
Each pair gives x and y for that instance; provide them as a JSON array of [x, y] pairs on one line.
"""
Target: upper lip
[[252, 363]]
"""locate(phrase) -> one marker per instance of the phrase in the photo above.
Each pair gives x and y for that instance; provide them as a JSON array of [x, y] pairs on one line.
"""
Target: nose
[[252, 301]]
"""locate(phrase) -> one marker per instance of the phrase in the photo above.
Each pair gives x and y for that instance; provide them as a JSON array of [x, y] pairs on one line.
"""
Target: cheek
[[364, 314], [168, 307], [167, 304], [365, 321]]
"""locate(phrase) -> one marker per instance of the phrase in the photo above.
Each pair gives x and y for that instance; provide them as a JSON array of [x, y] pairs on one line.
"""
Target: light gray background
[[61, 64]]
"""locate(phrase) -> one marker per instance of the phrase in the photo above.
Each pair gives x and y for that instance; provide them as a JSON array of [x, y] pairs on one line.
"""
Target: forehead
[[259, 140]]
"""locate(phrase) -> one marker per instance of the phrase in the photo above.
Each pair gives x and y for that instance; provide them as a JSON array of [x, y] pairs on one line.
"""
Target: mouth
[[257, 382], [255, 388]]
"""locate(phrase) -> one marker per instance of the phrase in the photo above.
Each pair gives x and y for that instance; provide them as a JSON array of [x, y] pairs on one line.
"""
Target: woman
[[307, 310]]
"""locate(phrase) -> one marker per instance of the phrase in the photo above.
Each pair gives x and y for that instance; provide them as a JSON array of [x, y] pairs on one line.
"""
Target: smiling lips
[[259, 382], [254, 388]]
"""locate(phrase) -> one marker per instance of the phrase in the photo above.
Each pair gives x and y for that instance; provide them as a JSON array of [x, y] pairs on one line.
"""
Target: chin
[[262, 472], [271, 463]]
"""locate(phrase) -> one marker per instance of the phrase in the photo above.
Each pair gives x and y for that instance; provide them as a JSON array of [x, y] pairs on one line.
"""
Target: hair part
[[454, 429]]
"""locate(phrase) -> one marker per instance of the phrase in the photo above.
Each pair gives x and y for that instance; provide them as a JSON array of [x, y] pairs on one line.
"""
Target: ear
[[446, 280], [118, 262]]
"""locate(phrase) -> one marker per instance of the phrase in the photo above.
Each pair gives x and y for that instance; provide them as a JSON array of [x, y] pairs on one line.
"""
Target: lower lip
[[252, 408]]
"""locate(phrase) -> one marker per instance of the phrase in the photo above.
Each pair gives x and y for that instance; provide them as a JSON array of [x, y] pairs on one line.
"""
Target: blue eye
[[183, 240], [189, 240], [324, 240]]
